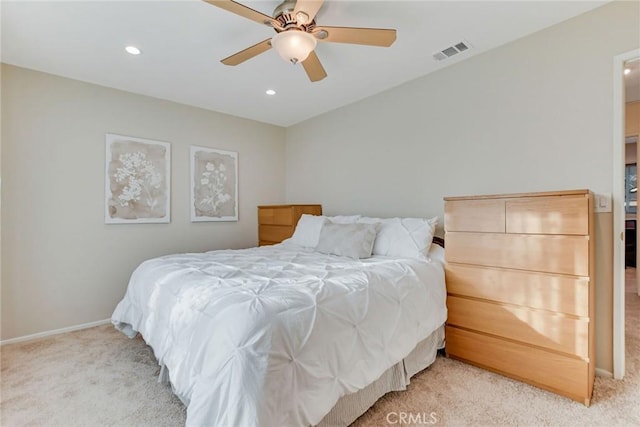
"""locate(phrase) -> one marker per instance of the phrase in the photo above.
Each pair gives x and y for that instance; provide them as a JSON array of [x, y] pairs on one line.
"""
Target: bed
[[306, 332]]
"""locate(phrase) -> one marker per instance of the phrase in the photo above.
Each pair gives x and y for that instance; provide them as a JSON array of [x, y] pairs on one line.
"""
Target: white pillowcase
[[350, 240], [403, 237], [344, 219], [307, 230]]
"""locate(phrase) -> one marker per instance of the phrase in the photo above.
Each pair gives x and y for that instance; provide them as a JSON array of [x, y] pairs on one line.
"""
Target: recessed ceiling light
[[133, 50], [270, 92], [627, 71]]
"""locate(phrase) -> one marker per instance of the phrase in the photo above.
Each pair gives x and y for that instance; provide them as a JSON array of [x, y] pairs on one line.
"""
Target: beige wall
[[62, 265], [632, 118], [532, 115]]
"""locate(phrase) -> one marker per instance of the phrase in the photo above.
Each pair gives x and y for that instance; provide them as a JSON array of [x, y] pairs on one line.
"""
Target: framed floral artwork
[[214, 185], [137, 181]]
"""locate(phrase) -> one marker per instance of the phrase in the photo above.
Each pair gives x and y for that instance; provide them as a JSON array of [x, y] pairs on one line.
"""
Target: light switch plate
[[603, 202]]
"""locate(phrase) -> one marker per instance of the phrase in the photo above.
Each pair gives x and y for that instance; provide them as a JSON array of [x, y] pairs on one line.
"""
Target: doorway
[[625, 208]]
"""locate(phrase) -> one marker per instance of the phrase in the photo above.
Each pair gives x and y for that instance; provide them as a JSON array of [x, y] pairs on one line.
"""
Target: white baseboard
[[55, 332], [603, 373]]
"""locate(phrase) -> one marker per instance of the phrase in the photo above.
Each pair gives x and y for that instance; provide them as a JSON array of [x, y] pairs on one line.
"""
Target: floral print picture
[[137, 185], [214, 185]]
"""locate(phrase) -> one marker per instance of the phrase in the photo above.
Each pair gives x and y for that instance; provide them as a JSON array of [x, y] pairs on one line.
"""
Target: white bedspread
[[274, 336]]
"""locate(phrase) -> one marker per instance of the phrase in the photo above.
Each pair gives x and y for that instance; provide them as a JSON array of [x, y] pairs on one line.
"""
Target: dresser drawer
[[564, 294], [545, 253], [274, 233], [275, 215], [475, 215], [561, 374], [537, 327], [548, 215], [278, 222]]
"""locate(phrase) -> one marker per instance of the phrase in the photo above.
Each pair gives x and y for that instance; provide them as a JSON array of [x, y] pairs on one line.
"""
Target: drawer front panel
[[475, 215], [564, 375], [541, 328], [564, 294], [275, 216], [550, 254], [548, 215], [306, 209], [274, 233]]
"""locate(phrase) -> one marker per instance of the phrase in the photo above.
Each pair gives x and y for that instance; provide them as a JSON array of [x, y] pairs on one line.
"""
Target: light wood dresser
[[278, 222], [520, 289]]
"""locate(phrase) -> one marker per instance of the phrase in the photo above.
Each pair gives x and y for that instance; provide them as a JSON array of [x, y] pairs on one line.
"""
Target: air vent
[[451, 51]]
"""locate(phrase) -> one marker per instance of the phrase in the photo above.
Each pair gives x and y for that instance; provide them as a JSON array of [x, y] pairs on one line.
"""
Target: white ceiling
[[183, 41]]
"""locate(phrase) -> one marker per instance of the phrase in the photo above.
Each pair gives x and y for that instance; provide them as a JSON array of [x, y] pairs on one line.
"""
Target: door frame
[[618, 210]]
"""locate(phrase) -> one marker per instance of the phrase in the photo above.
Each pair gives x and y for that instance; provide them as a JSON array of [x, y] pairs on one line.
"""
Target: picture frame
[[137, 180], [214, 184]]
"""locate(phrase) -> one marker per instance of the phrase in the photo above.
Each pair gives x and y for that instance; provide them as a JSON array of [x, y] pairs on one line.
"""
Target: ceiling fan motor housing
[[284, 15], [286, 7]]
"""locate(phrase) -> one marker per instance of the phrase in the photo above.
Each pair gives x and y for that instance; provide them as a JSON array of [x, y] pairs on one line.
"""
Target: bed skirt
[[396, 378]]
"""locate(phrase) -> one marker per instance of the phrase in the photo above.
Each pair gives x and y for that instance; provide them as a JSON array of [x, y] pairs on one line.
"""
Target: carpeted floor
[[98, 377]]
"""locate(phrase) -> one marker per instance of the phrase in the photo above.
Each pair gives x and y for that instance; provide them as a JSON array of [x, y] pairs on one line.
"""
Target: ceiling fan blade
[[314, 68], [309, 8], [245, 12], [248, 53], [366, 36]]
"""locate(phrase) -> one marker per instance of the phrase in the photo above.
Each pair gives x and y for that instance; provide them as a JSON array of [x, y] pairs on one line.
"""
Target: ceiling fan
[[297, 34]]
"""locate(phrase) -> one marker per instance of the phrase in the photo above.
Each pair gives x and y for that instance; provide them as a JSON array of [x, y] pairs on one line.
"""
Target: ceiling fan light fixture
[[293, 45]]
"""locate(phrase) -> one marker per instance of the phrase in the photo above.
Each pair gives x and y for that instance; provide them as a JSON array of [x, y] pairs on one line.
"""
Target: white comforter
[[274, 336]]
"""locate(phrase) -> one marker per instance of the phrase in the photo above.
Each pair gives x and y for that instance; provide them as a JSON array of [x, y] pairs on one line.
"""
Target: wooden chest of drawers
[[278, 222], [520, 287]]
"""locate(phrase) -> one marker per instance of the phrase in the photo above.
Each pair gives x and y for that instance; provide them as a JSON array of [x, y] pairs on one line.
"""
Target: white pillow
[[403, 237], [344, 219], [307, 230], [350, 240]]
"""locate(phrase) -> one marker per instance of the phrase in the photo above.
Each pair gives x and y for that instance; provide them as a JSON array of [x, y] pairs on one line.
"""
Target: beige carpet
[[98, 377]]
